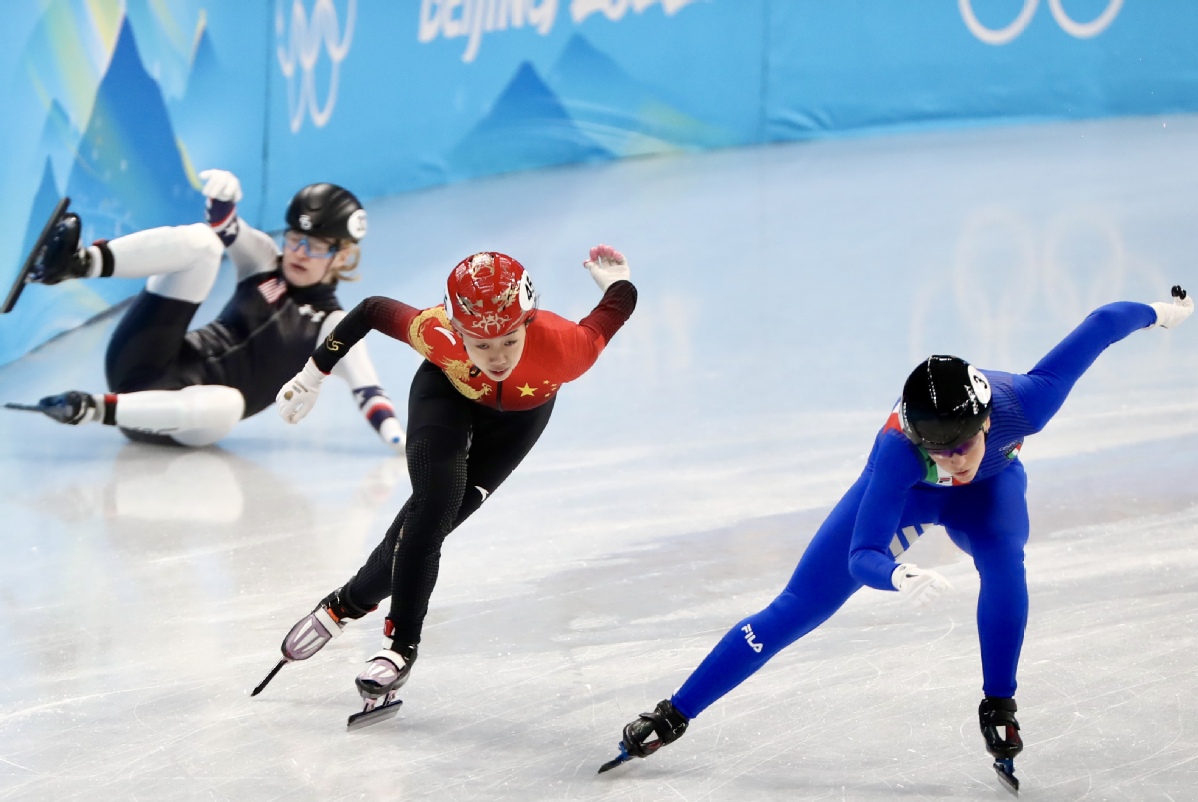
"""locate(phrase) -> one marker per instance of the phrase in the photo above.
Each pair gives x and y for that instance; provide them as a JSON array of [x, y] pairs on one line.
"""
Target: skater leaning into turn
[[947, 455], [171, 385], [494, 365]]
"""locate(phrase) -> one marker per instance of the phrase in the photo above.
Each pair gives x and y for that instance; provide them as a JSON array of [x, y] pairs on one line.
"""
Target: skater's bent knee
[[210, 413]]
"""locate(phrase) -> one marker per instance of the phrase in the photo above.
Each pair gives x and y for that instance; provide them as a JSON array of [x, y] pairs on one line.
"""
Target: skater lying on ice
[[494, 365], [948, 455], [170, 385]]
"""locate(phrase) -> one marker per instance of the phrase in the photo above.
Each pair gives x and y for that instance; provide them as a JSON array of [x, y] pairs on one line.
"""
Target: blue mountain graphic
[[205, 68], [128, 174], [527, 127], [43, 203], [202, 116], [59, 138], [626, 115]]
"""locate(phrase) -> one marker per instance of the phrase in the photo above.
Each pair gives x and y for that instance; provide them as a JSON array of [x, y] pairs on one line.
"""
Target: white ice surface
[[785, 292]]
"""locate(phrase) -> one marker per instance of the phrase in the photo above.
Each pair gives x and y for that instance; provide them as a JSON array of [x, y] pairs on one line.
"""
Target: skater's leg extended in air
[[184, 261], [819, 586], [193, 250], [181, 262], [144, 351], [143, 359]]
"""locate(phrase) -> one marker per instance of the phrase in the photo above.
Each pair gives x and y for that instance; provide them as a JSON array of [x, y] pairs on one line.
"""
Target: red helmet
[[489, 295]]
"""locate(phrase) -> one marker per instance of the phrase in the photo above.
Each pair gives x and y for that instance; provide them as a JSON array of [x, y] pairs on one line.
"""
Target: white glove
[[921, 586], [221, 185], [391, 433], [607, 266], [299, 395], [1170, 315]]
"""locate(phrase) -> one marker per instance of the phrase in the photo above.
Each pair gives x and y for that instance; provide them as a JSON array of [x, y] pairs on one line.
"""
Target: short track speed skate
[[72, 407], [375, 710], [665, 721], [27, 271], [996, 716], [310, 634], [379, 682], [1005, 769]]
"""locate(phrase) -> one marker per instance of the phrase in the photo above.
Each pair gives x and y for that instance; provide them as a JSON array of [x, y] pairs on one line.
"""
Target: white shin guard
[[193, 416], [181, 261]]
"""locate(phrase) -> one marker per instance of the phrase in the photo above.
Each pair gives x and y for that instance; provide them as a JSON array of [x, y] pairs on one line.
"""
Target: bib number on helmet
[[981, 387]]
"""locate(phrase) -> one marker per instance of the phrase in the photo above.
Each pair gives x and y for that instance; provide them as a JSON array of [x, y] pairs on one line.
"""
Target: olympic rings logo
[[1002, 36], [309, 37]]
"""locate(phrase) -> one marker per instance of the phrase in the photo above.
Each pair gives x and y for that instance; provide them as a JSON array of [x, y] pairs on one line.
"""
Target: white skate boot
[[385, 673]]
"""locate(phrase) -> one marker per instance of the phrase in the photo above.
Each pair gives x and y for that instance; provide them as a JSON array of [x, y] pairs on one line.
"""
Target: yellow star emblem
[[526, 390]]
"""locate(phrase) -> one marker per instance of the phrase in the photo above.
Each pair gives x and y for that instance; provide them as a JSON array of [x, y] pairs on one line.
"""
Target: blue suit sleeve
[[1043, 390], [896, 469]]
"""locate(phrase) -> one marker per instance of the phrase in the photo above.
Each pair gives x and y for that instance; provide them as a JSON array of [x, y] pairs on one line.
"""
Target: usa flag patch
[[272, 290]]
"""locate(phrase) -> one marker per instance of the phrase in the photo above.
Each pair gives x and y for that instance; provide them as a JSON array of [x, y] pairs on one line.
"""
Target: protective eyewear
[[964, 448], [313, 247]]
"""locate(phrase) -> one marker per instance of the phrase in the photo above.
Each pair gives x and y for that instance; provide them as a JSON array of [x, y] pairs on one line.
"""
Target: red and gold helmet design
[[489, 295]]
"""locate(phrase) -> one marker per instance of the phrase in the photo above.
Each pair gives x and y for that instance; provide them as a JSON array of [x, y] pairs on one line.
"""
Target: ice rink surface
[[785, 293]]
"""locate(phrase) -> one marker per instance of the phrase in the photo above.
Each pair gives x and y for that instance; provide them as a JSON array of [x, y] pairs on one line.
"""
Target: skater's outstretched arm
[[895, 471], [357, 369], [1043, 389], [391, 317], [376, 313], [251, 251], [576, 348]]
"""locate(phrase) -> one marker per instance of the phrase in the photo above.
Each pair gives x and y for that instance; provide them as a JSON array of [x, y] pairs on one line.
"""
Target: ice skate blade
[[619, 759], [269, 677], [378, 713], [21, 280], [1005, 769], [22, 407]]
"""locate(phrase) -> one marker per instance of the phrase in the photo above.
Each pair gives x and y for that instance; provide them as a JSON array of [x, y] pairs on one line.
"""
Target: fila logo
[[754, 645]]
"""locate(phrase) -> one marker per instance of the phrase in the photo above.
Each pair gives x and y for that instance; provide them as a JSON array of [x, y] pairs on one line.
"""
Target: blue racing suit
[[897, 496]]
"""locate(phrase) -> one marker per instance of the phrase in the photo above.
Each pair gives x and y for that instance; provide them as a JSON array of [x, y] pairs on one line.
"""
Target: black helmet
[[946, 401], [327, 210]]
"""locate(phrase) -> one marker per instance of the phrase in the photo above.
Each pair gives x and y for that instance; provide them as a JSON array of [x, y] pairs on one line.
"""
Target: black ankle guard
[[665, 721], [107, 263], [995, 712], [343, 607]]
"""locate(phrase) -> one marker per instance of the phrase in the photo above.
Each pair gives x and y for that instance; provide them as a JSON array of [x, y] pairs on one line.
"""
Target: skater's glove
[[1171, 315], [299, 395], [921, 586], [391, 433], [607, 266], [221, 185]]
